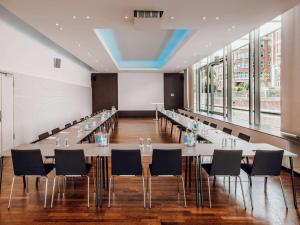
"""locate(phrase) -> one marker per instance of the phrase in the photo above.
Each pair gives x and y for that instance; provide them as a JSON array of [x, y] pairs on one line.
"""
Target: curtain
[[290, 72]]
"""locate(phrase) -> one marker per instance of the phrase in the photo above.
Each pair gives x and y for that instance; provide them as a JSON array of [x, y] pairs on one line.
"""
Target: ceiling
[[214, 23]]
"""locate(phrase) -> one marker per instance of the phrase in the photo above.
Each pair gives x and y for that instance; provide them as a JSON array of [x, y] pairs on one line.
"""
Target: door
[[7, 112], [173, 91]]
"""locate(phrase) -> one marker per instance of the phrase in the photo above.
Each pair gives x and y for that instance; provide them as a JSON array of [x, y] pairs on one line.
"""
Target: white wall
[[44, 97], [137, 90]]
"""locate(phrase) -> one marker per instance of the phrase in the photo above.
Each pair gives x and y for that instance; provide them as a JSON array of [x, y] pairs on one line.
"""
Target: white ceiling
[[142, 45], [78, 37]]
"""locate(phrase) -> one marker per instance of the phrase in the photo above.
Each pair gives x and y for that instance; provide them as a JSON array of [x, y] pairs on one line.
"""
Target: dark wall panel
[[173, 90], [104, 90]]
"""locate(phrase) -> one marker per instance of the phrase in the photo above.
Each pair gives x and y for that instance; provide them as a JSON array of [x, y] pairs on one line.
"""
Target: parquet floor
[[127, 203]]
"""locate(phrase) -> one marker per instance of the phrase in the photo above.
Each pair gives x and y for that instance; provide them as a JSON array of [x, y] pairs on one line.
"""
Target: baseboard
[[136, 114]]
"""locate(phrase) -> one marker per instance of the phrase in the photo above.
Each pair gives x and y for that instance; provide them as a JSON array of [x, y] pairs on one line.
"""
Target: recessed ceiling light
[[217, 18], [57, 24], [88, 17], [233, 27], [229, 29], [61, 28], [204, 18], [78, 44], [126, 17], [89, 54], [74, 17], [172, 17]]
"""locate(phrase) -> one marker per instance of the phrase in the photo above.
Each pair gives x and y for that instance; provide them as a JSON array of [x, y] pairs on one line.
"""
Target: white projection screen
[[138, 90]]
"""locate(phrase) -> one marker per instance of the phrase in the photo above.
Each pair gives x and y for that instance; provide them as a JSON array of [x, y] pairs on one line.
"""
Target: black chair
[[206, 122], [29, 163], [265, 164], [126, 163], [213, 125], [81, 119], [43, 136], [224, 163], [75, 122], [244, 137], [55, 131], [227, 130], [166, 163], [71, 163], [68, 125]]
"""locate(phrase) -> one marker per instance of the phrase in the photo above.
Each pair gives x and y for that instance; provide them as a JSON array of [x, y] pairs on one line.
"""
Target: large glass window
[[270, 57], [240, 79]]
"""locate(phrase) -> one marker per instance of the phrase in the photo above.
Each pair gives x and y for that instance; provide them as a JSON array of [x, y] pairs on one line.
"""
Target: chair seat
[[207, 167], [247, 168], [49, 167], [88, 167]]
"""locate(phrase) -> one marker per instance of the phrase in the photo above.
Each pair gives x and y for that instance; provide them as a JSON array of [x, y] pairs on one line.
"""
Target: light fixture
[[126, 17], [88, 17], [229, 29], [78, 44], [172, 17], [61, 28], [57, 24], [217, 18], [74, 17], [204, 18], [233, 27], [89, 54]]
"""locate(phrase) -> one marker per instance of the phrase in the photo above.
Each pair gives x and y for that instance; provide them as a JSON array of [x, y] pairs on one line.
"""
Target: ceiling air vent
[[148, 14], [147, 19]]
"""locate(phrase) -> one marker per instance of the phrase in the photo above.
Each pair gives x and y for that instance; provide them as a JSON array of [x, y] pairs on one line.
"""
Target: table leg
[[97, 182], [196, 181], [106, 171], [200, 183], [293, 181], [101, 181]]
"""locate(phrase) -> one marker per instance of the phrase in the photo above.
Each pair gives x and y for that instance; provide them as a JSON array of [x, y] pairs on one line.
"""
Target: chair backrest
[[70, 162], [213, 125], [166, 162], [28, 162], [226, 162], [68, 125], [81, 119], [227, 130], [44, 135], [126, 162], [74, 122], [55, 130], [267, 163], [244, 137], [205, 122]]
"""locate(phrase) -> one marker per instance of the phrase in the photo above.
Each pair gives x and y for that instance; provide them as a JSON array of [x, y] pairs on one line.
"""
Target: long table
[[214, 139]]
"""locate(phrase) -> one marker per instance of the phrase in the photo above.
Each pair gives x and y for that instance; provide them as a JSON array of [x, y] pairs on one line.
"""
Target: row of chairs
[[68, 163], [57, 129], [164, 163]]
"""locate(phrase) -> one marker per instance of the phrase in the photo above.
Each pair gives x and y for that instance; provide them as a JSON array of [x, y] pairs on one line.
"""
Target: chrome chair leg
[[250, 193], [242, 191], [149, 191], [88, 190], [27, 184], [113, 184], [46, 192], [53, 189], [11, 190], [283, 194], [144, 192], [235, 184], [110, 179], [183, 188], [209, 197], [177, 185]]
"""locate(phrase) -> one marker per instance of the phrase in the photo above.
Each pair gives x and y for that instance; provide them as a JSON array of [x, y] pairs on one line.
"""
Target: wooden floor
[[127, 204]]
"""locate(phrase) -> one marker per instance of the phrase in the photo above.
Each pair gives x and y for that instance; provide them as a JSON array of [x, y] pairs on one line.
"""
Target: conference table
[[213, 137]]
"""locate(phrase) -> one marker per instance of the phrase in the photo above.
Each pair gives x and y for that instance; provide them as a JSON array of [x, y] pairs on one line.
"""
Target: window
[[270, 42], [240, 79]]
